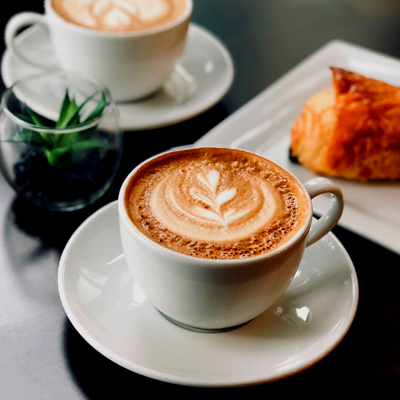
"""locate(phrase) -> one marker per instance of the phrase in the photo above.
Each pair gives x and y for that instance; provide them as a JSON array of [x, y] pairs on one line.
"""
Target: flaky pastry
[[351, 130]]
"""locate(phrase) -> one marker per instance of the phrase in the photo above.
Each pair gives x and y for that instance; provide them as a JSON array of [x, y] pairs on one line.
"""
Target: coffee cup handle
[[330, 218], [17, 22]]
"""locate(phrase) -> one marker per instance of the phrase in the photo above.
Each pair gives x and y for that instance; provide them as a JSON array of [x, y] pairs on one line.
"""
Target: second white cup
[[130, 64]]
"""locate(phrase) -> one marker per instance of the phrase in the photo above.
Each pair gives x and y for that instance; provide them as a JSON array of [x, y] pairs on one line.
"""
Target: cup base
[[201, 330]]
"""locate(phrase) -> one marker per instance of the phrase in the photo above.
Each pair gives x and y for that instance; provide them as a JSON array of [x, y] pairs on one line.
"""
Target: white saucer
[[112, 314], [205, 59]]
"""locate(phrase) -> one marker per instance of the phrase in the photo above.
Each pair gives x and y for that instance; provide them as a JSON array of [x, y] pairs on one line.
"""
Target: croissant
[[351, 130]]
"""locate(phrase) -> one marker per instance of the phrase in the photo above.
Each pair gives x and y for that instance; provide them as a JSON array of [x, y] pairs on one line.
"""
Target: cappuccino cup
[[131, 46], [214, 236]]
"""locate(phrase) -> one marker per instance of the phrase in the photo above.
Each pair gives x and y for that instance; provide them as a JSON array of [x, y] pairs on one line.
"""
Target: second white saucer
[[205, 59], [112, 314]]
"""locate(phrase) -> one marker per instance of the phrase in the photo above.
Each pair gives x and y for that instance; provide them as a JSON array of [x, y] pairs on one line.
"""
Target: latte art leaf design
[[116, 15], [215, 200], [216, 203], [115, 12]]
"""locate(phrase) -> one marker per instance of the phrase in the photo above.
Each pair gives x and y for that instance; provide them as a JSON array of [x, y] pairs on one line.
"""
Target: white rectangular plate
[[263, 126]]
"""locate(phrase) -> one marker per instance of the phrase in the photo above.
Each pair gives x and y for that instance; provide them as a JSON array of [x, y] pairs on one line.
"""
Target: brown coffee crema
[[216, 203], [119, 15]]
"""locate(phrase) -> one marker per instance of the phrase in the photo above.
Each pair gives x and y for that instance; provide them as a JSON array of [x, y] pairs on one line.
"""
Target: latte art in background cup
[[119, 15], [131, 46], [214, 236], [216, 204]]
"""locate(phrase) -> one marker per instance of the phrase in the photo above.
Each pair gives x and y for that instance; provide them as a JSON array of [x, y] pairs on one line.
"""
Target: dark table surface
[[42, 356]]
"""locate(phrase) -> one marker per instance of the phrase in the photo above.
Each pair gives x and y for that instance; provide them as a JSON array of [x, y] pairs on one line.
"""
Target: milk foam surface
[[119, 15], [216, 203]]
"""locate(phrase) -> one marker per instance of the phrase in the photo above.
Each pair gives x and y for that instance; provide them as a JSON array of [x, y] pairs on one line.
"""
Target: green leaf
[[62, 157], [24, 118], [82, 135], [69, 114], [98, 110], [59, 157], [38, 122], [28, 136], [78, 136], [64, 109], [75, 120], [88, 144], [72, 114], [34, 117]]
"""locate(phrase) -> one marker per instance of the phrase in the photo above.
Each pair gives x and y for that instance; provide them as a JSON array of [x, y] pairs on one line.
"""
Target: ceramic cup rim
[[117, 35], [292, 243]]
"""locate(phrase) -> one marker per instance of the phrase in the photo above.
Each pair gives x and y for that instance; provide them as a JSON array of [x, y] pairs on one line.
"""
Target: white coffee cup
[[207, 294], [131, 64]]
